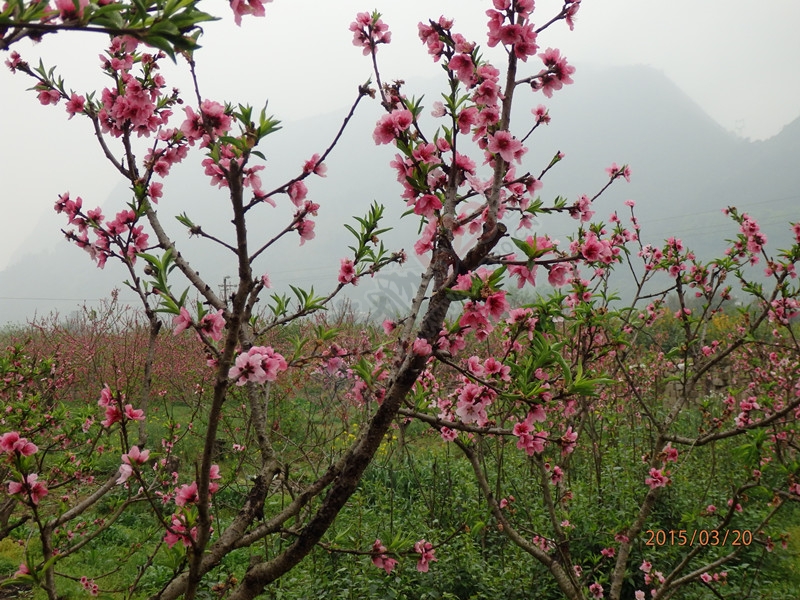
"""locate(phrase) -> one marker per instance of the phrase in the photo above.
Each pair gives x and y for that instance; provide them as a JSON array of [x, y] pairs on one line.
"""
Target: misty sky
[[738, 59]]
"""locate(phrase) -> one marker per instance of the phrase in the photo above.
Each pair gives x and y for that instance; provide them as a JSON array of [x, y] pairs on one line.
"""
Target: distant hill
[[686, 168]]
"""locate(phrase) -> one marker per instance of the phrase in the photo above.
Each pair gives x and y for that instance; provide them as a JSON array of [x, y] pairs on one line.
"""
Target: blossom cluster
[[181, 527], [30, 485], [120, 237], [115, 412], [11, 443], [382, 560], [259, 364], [369, 30], [134, 104], [133, 458], [247, 7], [16, 447], [426, 555], [211, 324], [511, 26]]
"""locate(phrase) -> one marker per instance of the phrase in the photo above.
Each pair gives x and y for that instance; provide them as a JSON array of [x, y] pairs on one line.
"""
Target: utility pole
[[223, 289]]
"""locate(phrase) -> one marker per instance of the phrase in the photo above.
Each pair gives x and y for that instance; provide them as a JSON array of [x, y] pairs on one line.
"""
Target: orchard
[[571, 444]]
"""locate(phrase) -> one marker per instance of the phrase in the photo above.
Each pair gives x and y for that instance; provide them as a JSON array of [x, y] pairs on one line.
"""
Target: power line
[[718, 211], [55, 299]]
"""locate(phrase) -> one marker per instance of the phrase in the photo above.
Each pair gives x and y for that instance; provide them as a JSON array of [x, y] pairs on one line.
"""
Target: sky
[[738, 59]]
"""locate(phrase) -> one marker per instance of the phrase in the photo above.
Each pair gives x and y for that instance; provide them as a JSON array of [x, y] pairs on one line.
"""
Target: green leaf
[[161, 43], [524, 246], [184, 220]]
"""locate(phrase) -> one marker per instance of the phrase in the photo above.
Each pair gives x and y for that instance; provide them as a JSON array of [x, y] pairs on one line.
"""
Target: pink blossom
[[155, 191], [645, 566], [568, 441], [380, 559], [130, 106], [557, 476], [182, 321], [215, 117], [75, 105], [14, 60], [506, 145], [430, 37], [426, 204], [657, 479], [67, 10], [448, 435], [192, 127], [258, 365], [214, 475], [177, 533], [384, 130], [252, 180], [496, 305], [523, 274], [542, 114], [369, 31], [558, 274], [558, 72], [670, 453], [134, 414], [463, 66], [106, 397], [705, 577], [347, 272], [187, 494], [49, 96], [421, 347], [113, 415], [596, 590], [90, 586], [313, 165], [438, 110], [425, 550], [305, 228], [212, 325], [737, 507], [247, 7], [136, 456], [530, 440], [35, 489], [125, 471], [594, 249], [22, 571], [389, 326], [582, 209], [569, 17], [297, 193], [392, 125], [472, 402], [614, 172], [11, 442], [474, 317]]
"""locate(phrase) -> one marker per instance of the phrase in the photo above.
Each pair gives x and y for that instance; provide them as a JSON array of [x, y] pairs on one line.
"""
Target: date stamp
[[698, 537]]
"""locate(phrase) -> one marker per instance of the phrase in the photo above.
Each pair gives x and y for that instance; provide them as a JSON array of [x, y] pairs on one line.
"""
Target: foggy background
[[701, 99]]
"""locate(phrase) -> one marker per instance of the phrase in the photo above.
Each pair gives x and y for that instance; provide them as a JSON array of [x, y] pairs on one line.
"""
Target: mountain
[[685, 169]]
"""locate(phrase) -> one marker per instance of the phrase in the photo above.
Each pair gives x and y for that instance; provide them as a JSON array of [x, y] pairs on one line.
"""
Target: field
[[417, 488]]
